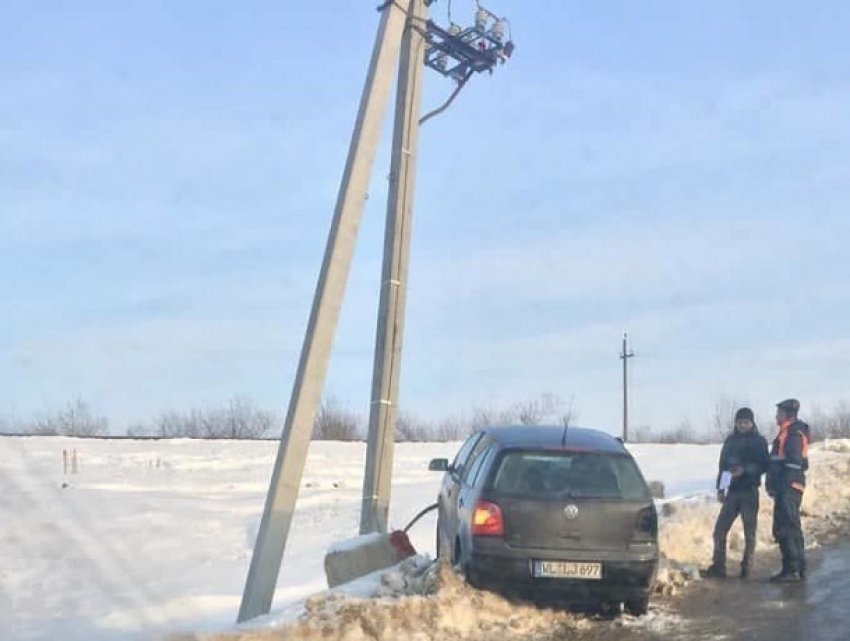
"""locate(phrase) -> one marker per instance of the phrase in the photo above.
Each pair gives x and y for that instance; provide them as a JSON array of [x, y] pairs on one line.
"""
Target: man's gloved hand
[[721, 496]]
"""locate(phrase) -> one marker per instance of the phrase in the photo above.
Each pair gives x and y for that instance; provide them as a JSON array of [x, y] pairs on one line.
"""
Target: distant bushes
[[240, 418], [75, 419], [684, 432], [334, 422], [831, 424]]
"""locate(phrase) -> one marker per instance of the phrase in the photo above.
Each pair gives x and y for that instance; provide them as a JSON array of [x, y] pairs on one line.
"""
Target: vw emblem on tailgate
[[571, 512]]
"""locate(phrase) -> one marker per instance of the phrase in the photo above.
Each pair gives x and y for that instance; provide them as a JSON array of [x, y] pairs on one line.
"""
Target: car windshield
[[558, 474]]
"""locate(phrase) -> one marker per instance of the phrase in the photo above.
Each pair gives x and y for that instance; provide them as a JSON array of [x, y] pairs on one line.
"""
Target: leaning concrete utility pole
[[456, 53], [312, 367], [388, 341], [625, 355]]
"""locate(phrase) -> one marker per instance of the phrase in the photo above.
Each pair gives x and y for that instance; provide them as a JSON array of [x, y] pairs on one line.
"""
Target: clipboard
[[725, 480]]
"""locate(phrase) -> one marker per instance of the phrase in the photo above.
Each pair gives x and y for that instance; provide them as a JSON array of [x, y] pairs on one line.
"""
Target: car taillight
[[487, 519], [647, 520]]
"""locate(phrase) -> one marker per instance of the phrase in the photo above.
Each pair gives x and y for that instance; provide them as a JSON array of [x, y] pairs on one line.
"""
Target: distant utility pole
[[625, 355]]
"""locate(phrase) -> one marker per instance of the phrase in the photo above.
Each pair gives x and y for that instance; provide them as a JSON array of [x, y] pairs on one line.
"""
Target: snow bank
[[420, 600], [835, 445], [656, 621], [417, 600]]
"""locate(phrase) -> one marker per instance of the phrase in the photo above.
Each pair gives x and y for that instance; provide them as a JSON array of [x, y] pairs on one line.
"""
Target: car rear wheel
[[457, 560], [637, 607], [441, 549], [462, 568]]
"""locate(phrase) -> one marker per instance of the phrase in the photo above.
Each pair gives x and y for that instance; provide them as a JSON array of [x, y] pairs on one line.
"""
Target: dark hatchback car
[[551, 513]]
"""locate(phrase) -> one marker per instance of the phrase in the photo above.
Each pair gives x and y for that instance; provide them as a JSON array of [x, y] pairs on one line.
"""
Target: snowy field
[[153, 538]]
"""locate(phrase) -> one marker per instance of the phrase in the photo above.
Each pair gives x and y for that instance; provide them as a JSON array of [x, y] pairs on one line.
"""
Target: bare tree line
[[74, 419], [337, 423], [240, 418], [825, 424], [721, 422]]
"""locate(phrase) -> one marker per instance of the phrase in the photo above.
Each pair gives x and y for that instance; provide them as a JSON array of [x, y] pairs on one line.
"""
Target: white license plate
[[567, 570]]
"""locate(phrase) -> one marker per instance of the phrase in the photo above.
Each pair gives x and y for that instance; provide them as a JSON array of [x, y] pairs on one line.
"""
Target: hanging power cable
[[447, 104]]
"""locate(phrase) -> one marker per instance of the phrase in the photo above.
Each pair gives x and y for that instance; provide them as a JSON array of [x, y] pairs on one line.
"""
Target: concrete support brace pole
[[388, 342], [309, 381]]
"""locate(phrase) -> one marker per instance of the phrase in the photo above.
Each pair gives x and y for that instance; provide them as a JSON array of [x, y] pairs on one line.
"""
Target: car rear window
[[545, 474]]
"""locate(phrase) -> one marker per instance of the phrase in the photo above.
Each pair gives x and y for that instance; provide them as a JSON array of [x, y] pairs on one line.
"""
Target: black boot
[[714, 572], [786, 577]]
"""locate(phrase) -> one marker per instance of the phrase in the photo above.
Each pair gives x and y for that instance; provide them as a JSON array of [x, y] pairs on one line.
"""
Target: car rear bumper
[[625, 575]]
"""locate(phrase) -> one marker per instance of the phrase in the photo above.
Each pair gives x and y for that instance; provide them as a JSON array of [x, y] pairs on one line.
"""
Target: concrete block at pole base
[[363, 555]]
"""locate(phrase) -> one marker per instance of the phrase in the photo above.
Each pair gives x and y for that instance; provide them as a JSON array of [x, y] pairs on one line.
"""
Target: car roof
[[552, 436]]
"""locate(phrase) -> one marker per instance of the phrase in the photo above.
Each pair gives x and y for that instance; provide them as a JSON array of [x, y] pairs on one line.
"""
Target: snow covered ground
[[154, 537]]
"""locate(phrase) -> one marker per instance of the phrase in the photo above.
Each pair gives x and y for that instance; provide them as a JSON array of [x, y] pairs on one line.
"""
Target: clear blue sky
[[678, 170]]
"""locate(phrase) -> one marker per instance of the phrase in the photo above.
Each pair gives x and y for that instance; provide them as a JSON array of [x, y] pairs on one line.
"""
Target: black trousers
[[743, 503], [788, 530]]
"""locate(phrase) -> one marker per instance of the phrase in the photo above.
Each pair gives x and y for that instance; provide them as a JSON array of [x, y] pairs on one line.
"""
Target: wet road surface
[[752, 610]]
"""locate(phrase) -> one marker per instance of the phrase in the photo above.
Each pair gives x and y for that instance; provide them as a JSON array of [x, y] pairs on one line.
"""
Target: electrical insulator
[[481, 18], [498, 31]]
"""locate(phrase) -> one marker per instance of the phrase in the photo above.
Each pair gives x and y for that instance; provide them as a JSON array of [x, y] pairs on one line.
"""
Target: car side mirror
[[439, 465]]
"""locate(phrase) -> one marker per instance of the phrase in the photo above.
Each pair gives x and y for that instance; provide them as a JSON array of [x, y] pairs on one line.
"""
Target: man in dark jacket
[[743, 460], [786, 481]]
